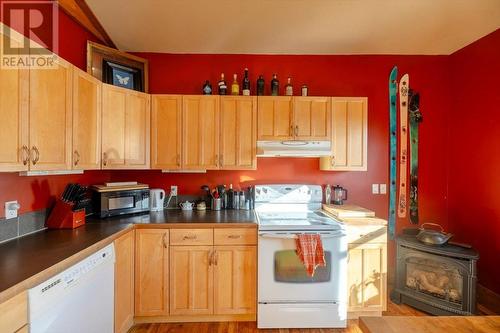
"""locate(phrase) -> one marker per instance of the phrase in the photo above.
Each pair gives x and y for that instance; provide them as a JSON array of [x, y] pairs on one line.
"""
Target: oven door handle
[[294, 235]]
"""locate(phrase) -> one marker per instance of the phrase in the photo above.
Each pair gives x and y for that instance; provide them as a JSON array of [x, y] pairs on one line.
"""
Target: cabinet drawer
[[236, 236], [14, 313], [366, 234], [191, 237]]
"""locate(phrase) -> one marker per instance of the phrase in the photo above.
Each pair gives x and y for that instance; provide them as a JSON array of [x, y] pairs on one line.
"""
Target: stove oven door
[[283, 278]]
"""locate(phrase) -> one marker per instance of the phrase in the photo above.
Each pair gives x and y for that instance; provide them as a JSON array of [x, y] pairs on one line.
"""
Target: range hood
[[294, 148]]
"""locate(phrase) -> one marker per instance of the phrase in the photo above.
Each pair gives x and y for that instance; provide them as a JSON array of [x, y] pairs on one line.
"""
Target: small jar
[[304, 90]]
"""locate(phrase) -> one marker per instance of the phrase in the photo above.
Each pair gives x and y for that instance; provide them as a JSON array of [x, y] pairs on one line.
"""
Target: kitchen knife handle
[[36, 157], [104, 159], [25, 154], [77, 157]]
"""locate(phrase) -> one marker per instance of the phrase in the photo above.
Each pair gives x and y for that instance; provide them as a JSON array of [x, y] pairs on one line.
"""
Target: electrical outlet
[[11, 208], [383, 189], [374, 188], [173, 190]]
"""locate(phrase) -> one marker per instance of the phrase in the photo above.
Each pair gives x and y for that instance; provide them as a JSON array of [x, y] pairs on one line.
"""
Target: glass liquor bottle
[[260, 86], [207, 88], [289, 87], [246, 84], [222, 85], [275, 85], [235, 87]]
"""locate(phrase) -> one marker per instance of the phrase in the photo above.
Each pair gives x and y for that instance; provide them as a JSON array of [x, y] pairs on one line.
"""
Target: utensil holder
[[62, 216], [216, 204]]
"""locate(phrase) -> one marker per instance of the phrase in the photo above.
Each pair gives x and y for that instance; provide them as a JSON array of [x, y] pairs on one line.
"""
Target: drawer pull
[[192, 237], [165, 245], [234, 236]]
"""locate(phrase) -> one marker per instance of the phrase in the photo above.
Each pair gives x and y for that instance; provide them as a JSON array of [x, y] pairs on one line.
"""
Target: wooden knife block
[[62, 216]]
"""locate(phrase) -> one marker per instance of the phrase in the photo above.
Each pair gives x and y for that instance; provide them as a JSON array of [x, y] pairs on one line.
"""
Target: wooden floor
[[251, 327]]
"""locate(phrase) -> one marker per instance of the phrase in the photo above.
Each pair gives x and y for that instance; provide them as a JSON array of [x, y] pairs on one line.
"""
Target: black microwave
[[120, 202]]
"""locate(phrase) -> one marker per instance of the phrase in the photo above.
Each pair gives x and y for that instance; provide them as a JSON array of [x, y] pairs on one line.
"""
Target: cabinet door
[[50, 110], [137, 130], [86, 121], [200, 124], [349, 135], [235, 279], [124, 282], [14, 93], [366, 276], [166, 132], [275, 117], [114, 102], [238, 130], [151, 272], [312, 118], [191, 280]]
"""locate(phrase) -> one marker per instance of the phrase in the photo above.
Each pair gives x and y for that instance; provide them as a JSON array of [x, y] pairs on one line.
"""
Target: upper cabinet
[[200, 130], [311, 118], [86, 121], [349, 135], [275, 118], [14, 93], [294, 118], [50, 117], [125, 128], [238, 134], [166, 131]]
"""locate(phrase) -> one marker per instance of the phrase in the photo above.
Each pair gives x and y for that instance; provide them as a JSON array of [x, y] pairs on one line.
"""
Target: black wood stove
[[440, 280]]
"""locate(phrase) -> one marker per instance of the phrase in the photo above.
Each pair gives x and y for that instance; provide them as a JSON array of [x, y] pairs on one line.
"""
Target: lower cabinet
[[234, 279], [191, 280], [124, 282], [367, 274], [14, 314], [151, 272]]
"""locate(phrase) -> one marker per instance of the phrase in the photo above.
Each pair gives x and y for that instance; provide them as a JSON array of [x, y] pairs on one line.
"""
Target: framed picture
[[116, 67]]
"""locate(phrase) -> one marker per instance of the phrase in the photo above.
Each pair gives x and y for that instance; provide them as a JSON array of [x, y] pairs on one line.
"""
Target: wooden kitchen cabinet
[[235, 270], [238, 133], [191, 280], [275, 118], [86, 152], [124, 282], [349, 135], [50, 117], [312, 118], [125, 128], [14, 313], [200, 130], [14, 112], [166, 132], [152, 272]]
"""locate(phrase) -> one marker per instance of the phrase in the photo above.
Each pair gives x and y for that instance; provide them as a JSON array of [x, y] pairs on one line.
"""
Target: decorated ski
[[415, 119], [393, 87], [404, 85]]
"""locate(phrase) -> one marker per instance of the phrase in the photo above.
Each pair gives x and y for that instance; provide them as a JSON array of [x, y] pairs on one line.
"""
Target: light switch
[[383, 188], [374, 188]]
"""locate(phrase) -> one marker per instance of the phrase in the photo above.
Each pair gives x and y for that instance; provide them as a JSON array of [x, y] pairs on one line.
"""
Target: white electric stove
[[287, 296]]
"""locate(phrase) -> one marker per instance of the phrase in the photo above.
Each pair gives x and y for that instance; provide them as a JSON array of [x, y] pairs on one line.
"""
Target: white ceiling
[[297, 26]]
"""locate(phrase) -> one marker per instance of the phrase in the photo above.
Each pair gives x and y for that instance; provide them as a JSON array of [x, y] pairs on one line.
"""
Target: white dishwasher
[[78, 300]]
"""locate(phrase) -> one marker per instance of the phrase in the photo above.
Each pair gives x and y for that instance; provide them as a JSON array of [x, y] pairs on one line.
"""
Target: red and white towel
[[310, 252]]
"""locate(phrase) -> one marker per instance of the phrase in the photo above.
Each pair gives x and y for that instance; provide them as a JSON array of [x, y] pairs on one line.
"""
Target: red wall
[[474, 178]]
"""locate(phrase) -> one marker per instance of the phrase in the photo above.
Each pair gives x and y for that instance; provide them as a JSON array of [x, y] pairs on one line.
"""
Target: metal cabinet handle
[[165, 245], [210, 258], [178, 159], [234, 236], [291, 130], [104, 159], [215, 258], [192, 237], [297, 130], [332, 161], [25, 154], [221, 160], [77, 157], [35, 158], [217, 160]]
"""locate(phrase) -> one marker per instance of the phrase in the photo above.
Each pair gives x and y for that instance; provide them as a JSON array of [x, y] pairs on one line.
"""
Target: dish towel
[[310, 252]]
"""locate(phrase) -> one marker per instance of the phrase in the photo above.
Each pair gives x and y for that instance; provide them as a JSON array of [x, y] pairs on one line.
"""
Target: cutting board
[[343, 211]]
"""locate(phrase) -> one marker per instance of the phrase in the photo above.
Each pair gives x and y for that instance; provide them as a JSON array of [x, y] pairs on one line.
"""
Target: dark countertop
[[27, 256]]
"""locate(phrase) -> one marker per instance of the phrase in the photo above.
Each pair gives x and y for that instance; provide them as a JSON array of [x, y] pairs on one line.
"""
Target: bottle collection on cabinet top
[[245, 86]]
